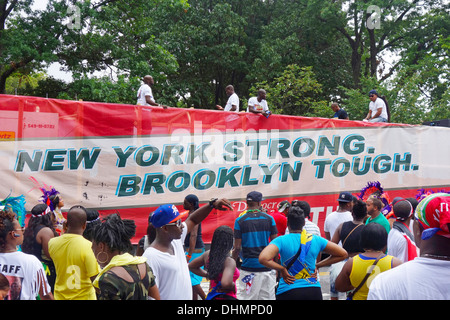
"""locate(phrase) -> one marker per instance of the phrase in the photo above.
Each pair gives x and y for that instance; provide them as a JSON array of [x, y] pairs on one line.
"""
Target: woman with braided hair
[[38, 233], [220, 267], [53, 199], [123, 277]]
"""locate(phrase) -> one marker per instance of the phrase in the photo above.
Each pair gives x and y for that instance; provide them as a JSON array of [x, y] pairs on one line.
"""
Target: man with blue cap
[[377, 108], [166, 256]]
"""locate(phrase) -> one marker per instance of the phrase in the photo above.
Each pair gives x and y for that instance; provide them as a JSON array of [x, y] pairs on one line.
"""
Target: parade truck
[[131, 159]]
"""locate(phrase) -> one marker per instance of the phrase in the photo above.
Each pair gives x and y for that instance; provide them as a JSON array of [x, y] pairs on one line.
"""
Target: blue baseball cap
[[166, 214]]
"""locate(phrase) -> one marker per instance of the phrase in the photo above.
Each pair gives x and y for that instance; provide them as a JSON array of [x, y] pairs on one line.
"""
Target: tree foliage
[[306, 53], [295, 92]]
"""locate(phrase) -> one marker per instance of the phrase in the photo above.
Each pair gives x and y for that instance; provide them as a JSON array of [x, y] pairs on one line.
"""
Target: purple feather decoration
[[422, 193], [375, 188], [47, 192]]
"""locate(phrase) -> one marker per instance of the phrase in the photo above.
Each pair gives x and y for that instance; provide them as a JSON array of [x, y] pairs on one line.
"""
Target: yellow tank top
[[361, 264]]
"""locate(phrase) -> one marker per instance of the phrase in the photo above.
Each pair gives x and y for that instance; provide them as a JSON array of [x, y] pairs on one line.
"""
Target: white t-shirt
[[374, 106], [259, 105], [232, 100], [25, 275], [171, 271], [397, 245], [143, 91], [310, 227], [419, 279], [334, 219]]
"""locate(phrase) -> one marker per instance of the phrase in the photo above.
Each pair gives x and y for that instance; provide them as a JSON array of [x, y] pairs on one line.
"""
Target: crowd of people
[[378, 106], [402, 252]]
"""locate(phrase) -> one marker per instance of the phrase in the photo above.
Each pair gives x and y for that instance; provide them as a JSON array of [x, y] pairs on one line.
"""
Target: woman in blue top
[[299, 280]]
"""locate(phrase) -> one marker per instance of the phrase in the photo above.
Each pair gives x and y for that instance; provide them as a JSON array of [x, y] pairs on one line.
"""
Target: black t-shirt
[[350, 235], [341, 114]]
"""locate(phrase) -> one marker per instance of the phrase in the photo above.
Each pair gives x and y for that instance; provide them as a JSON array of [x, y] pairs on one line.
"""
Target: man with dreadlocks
[[221, 269]]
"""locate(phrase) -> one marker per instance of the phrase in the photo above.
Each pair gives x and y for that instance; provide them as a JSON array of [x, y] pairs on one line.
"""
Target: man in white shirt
[[400, 239], [377, 109], [309, 226], [166, 256], [258, 104], [332, 221], [233, 100], [426, 277], [145, 94], [341, 215]]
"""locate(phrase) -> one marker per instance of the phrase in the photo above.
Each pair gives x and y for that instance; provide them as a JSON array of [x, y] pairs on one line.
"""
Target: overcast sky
[[54, 69]]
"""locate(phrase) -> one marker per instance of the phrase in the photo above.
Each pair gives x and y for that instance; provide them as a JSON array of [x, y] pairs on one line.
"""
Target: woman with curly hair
[[123, 277], [36, 237], [24, 271], [4, 287], [221, 269]]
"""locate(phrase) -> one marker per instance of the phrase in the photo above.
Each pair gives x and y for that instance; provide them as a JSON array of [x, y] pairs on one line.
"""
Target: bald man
[[145, 93], [232, 102], [339, 113], [258, 104], [75, 262]]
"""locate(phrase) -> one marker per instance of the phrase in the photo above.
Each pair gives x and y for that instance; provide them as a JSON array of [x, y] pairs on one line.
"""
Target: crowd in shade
[[376, 249]]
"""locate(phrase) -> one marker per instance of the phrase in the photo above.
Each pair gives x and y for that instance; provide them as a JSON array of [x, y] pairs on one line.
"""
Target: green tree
[[27, 38], [373, 28], [417, 83], [291, 36], [422, 83], [48, 87], [84, 36], [295, 92], [23, 82], [208, 44], [102, 89], [193, 49]]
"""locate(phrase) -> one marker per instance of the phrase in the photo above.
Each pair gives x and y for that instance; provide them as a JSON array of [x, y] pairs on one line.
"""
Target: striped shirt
[[254, 229]]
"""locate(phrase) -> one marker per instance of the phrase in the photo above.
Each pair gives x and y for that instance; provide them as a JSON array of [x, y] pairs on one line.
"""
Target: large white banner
[[131, 171]]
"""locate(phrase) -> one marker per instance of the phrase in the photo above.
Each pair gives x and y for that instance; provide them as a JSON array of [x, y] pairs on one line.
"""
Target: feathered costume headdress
[[422, 193], [16, 205], [47, 192], [373, 188]]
